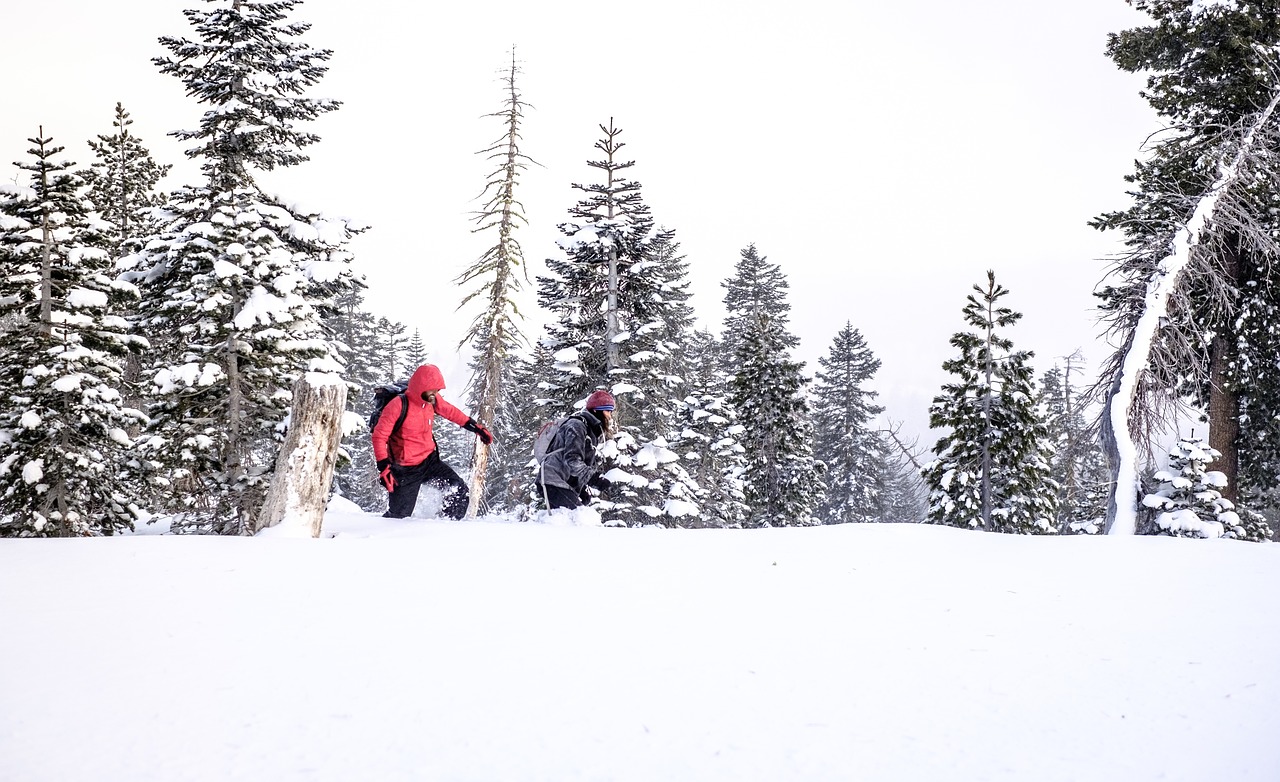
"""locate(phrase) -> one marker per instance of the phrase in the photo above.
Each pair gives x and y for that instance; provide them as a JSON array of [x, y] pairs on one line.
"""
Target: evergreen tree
[[756, 288], [237, 281], [393, 350], [122, 185], [784, 482], [904, 495], [1210, 68], [708, 438], [415, 353], [611, 296], [66, 462], [357, 331], [1188, 503], [495, 334], [853, 452], [509, 481], [1077, 463], [992, 469], [122, 182]]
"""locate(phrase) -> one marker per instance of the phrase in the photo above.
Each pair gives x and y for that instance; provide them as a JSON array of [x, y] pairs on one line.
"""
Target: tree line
[[151, 340]]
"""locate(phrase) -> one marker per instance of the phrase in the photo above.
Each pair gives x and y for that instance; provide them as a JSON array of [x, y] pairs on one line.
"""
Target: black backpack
[[384, 394]]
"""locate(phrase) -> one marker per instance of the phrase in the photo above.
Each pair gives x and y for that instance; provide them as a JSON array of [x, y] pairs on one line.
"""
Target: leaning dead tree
[[494, 333], [304, 469], [1161, 342]]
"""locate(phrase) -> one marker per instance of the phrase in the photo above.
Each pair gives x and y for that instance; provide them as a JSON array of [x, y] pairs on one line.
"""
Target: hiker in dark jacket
[[570, 464], [409, 457]]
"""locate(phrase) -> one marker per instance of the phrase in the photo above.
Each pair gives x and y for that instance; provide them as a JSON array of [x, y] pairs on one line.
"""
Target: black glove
[[383, 464], [600, 482], [481, 432]]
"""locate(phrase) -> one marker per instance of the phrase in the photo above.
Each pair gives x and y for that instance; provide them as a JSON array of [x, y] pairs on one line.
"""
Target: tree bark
[[304, 469], [1224, 404]]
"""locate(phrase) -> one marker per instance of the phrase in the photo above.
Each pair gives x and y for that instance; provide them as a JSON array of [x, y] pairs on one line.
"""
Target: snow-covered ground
[[429, 650]]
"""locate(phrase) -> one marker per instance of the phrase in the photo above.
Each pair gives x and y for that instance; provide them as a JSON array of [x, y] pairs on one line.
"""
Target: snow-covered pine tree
[[415, 352], [237, 280], [495, 333], [757, 287], [904, 495], [1187, 501], [603, 294], [393, 350], [707, 442], [656, 352], [357, 331], [992, 468], [1211, 70], [509, 478], [122, 185], [66, 461], [845, 440], [1077, 462], [784, 481]]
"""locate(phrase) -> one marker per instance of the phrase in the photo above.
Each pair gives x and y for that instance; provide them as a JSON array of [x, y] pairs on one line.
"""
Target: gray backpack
[[542, 440]]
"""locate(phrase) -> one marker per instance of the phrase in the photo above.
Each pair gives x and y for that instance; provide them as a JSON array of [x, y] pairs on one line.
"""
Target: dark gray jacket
[[571, 455]]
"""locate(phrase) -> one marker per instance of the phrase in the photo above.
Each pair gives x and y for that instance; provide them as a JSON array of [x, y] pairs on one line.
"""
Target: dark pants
[[432, 472], [559, 497]]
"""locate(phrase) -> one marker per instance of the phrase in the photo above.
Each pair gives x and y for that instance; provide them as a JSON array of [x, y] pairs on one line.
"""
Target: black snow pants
[[433, 472], [560, 497]]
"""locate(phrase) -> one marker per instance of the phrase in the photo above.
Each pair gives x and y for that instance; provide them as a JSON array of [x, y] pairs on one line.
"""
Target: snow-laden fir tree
[[904, 498], [122, 184], [707, 441], [237, 281], [415, 353], [608, 293], [904, 495], [756, 288], [1187, 501], [1077, 462], [846, 439], [657, 348], [500, 270], [992, 465], [784, 479], [393, 351], [357, 330], [66, 461], [509, 479], [1211, 70]]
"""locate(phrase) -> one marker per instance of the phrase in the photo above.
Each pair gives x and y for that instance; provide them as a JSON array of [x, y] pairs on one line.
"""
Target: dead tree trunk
[[304, 469], [1122, 429]]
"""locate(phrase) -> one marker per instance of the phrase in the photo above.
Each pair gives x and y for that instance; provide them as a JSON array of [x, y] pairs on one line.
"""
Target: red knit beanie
[[600, 400]]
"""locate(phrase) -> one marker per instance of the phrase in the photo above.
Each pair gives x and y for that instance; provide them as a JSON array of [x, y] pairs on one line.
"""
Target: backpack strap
[[404, 411]]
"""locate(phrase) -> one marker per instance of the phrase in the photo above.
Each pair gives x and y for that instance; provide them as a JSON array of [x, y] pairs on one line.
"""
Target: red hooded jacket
[[414, 442]]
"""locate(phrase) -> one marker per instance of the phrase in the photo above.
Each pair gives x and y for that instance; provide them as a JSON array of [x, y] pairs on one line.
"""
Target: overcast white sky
[[885, 154]]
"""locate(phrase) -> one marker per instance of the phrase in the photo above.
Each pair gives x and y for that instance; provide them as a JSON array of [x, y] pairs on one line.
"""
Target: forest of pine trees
[[151, 337]]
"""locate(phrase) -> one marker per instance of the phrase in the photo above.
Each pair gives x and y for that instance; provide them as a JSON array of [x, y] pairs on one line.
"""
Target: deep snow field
[[489, 650]]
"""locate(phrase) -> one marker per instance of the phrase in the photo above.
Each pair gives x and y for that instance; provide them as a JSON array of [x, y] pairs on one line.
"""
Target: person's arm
[[575, 452], [462, 419]]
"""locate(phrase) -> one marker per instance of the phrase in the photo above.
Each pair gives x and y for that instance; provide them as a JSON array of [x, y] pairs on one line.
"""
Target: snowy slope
[[425, 650]]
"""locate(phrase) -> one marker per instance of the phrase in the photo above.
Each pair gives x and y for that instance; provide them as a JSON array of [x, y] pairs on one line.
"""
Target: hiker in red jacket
[[406, 449]]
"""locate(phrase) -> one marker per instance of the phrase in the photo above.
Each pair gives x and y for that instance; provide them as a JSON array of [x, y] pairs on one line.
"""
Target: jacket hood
[[426, 378]]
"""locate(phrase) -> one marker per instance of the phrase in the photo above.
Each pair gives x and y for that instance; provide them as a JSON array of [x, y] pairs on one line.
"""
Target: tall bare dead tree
[[494, 333]]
